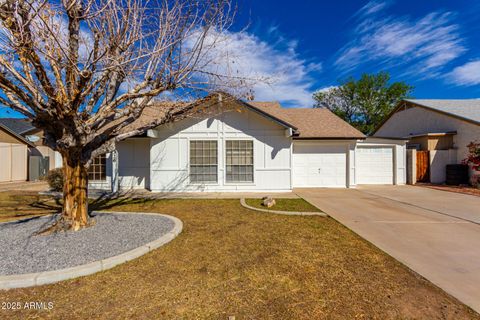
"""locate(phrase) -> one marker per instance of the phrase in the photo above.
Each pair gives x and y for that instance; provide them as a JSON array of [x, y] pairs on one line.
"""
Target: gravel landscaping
[[22, 251]]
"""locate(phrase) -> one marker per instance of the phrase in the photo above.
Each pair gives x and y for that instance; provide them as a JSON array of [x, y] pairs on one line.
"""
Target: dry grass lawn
[[298, 205], [230, 261], [16, 205]]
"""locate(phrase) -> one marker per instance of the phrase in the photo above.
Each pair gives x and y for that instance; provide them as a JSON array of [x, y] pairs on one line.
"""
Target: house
[[13, 155], [440, 128], [249, 146], [39, 158]]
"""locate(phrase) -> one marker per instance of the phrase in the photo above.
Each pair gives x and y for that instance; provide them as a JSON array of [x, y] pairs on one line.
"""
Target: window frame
[[94, 165], [225, 162], [189, 141]]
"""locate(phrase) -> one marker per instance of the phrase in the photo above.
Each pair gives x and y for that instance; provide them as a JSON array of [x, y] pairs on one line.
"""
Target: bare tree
[[84, 71]]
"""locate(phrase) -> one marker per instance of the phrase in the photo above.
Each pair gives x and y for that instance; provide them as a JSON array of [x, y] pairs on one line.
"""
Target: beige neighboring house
[[13, 156], [442, 127], [28, 139]]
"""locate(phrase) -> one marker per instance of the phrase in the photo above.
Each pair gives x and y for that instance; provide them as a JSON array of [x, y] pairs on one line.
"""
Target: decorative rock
[[268, 202], [288, 213], [165, 229]]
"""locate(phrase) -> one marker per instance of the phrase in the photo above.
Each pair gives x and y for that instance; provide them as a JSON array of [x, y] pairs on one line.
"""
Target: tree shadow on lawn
[[108, 201]]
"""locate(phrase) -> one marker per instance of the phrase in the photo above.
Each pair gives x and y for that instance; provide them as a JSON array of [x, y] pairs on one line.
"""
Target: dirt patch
[[298, 205], [458, 189], [230, 261]]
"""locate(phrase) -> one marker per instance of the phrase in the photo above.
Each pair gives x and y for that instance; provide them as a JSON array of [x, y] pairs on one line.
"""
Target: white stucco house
[[444, 128], [254, 146]]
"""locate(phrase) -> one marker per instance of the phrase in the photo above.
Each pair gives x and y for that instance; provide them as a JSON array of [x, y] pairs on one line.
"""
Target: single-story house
[[13, 155], [441, 128], [250, 146], [38, 155]]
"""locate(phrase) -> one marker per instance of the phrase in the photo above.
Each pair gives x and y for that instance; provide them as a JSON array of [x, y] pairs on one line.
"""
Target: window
[[203, 161], [97, 170], [239, 160]]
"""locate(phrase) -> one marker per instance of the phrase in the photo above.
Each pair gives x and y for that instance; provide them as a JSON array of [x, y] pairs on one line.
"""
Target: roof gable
[[465, 109], [213, 104], [16, 136], [305, 123]]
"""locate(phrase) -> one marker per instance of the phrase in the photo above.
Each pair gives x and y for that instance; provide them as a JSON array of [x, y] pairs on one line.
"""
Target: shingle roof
[[468, 109], [312, 123], [14, 134], [17, 125], [308, 123]]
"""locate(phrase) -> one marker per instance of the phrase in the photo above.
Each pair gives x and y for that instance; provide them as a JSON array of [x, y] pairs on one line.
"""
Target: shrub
[[473, 157], [55, 179]]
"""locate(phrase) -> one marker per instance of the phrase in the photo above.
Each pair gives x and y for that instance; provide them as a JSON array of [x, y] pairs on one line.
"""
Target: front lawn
[[231, 261], [298, 205], [16, 205]]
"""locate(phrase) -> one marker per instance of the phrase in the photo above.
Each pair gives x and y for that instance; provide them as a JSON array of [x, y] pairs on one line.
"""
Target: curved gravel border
[[47, 277], [288, 213]]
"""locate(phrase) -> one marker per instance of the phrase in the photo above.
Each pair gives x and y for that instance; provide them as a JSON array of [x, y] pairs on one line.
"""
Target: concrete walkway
[[435, 233]]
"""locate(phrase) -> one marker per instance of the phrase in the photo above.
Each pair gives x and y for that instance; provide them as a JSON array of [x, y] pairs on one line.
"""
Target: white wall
[[58, 160], [169, 154], [134, 163], [420, 120], [438, 164]]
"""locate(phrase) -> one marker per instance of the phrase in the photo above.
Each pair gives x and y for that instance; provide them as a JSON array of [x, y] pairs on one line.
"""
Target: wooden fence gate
[[423, 166]]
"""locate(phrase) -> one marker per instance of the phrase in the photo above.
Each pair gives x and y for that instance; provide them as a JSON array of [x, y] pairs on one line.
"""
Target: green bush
[[55, 179]]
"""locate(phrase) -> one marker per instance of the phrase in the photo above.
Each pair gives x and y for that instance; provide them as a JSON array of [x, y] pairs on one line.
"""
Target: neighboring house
[[13, 155], [254, 146], [37, 151], [444, 128]]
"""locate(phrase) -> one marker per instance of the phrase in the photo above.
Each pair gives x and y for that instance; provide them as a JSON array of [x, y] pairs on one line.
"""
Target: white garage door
[[374, 165], [316, 165]]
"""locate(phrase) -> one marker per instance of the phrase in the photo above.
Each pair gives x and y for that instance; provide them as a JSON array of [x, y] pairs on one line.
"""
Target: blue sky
[[432, 45], [298, 47]]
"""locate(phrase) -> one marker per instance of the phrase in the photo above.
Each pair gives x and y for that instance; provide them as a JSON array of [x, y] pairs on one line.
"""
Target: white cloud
[[327, 89], [373, 7], [427, 44], [467, 74], [275, 71]]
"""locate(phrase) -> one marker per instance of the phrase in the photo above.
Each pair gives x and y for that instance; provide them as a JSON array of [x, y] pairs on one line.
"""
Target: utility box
[[38, 167]]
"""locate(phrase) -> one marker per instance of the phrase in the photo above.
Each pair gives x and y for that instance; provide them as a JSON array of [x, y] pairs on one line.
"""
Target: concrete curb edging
[[47, 277], [288, 213]]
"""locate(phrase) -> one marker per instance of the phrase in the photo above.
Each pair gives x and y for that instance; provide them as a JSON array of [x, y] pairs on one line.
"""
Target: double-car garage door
[[325, 165]]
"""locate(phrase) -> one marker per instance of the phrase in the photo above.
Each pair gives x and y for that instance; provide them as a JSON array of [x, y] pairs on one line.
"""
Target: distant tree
[[363, 103]]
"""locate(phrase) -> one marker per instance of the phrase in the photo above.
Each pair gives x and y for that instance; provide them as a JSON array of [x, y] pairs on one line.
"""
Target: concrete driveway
[[433, 232]]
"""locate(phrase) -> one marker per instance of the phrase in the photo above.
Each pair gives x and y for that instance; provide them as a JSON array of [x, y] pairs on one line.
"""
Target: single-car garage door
[[374, 165], [319, 165]]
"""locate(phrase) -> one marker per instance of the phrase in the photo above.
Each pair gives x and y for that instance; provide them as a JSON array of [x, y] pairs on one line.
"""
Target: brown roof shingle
[[312, 123]]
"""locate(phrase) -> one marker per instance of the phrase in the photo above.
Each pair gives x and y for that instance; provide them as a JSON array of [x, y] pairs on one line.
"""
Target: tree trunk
[[75, 199]]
